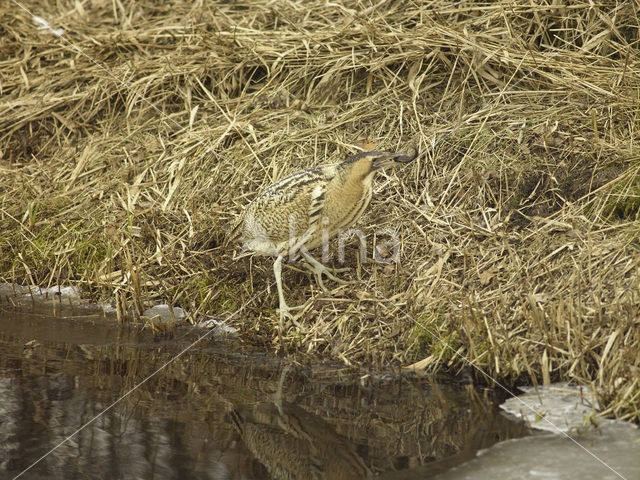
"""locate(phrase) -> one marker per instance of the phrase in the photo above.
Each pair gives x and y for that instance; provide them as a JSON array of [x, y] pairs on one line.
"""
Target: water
[[219, 411]]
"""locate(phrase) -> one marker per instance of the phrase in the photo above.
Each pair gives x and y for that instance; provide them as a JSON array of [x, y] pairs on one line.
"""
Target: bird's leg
[[318, 269], [284, 308]]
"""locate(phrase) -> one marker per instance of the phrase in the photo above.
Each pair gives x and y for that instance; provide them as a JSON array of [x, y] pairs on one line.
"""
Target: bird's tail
[[233, 232]]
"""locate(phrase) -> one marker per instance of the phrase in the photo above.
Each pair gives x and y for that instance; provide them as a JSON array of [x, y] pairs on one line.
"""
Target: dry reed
[[127, 144]]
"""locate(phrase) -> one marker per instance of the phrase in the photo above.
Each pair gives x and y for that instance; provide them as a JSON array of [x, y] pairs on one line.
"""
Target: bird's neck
[[355, 188]]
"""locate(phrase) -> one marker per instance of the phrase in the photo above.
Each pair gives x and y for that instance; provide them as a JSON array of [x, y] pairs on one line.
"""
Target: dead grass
[[129, 143]]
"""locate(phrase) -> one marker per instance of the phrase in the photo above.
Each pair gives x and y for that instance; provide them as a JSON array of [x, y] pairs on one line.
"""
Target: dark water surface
[[219, 411]]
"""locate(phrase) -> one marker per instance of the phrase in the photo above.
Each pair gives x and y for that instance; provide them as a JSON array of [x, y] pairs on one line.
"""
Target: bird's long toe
[[339, 270], [319, 270], [286, 316]]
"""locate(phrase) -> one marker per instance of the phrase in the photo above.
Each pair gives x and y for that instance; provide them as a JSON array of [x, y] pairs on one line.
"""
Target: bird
[[303, 210]]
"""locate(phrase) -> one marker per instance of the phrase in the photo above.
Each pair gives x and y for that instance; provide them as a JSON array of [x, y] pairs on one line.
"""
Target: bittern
[[305, 209]]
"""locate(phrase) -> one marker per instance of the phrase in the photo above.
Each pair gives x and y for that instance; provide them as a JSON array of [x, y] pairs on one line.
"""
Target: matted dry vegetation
[[130, 142]]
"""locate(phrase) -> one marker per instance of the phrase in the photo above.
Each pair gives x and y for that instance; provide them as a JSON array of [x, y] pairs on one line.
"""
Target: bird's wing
[[279, 215], [318, 197], [291, 189], [315, 199]]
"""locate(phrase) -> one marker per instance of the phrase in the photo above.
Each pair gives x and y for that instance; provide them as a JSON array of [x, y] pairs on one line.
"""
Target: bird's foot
[[286, 316], [318, 272], [320, 269]]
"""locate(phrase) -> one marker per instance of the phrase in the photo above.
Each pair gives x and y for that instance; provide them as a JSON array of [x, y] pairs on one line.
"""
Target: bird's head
[[383, 160], [366, 163]]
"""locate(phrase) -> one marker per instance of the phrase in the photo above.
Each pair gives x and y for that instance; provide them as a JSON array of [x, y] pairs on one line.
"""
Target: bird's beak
[[389, 159]]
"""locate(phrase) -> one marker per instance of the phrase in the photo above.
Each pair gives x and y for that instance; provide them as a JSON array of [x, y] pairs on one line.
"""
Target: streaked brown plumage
[[301, 211]]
